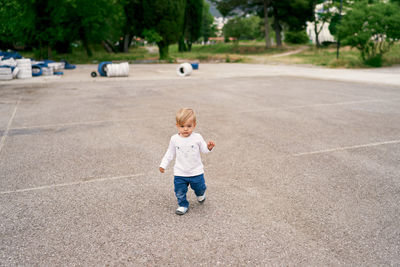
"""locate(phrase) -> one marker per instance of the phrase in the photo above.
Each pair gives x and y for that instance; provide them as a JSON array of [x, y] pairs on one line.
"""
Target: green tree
[[291, 13], [234, 28], [208, 29], [16, 23], [241, 7], [133, 22], [45, 25], [50, 25], [335, 16], [192, 24], [296, 37], [165, 17], [89, 23], [244, 28], [94, 20], [372, 29]]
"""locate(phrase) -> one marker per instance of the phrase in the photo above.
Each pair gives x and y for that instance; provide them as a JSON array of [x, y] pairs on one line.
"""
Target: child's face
[[186, 129]]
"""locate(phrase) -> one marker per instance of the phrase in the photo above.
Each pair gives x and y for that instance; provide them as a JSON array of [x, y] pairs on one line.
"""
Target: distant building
[[325, 34], [220, 22]]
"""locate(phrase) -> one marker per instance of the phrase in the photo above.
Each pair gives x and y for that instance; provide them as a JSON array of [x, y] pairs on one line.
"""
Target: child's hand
[[162, 170], [210, 145]]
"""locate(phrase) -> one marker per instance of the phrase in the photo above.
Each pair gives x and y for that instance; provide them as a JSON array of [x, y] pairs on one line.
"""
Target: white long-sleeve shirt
[[187, 151]]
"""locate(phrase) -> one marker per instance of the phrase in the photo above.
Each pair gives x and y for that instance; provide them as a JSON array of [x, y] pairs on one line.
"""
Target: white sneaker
[[181, 210], [201, 198]]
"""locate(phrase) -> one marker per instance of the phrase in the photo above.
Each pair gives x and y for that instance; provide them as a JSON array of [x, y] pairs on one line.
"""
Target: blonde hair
[[184, 114]]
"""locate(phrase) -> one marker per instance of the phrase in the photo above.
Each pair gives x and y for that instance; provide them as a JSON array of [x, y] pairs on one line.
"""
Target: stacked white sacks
[[56, 66], [25, 68], [47, 71], [5, 74]]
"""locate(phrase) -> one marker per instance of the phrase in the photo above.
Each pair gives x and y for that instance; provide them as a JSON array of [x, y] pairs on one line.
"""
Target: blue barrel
[[36, 73], [195, 65], [101, 69]]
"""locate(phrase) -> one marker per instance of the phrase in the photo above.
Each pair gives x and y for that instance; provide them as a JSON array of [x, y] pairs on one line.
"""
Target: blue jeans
[[181, 184]]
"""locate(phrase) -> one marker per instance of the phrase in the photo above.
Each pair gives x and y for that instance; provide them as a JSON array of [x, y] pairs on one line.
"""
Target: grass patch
[[245, 48], [348, 58], [327, 57], [226, 52], [99, 55], [393, 56], [221, 52], [79, 56], [232, 52]]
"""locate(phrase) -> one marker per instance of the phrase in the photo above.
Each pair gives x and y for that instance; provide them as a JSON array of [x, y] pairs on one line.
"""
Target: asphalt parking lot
[[305, 170]]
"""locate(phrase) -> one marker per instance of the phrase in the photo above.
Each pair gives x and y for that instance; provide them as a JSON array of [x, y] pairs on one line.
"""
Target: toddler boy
[[186, 145]]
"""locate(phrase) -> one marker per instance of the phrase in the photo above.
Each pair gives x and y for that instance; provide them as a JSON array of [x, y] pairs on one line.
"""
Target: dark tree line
[[47, 26], [53, 25]]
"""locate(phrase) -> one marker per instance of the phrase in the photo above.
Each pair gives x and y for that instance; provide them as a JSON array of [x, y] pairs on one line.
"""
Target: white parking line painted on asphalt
[[82, 123], [3, 138], [347, 148], [7, 102], [69, 124], [94, 180]]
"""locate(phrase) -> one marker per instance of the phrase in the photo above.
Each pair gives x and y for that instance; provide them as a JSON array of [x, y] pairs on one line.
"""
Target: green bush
[[375, 61], [328, 43], [371, 28], [248, 28], [296, 37]]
